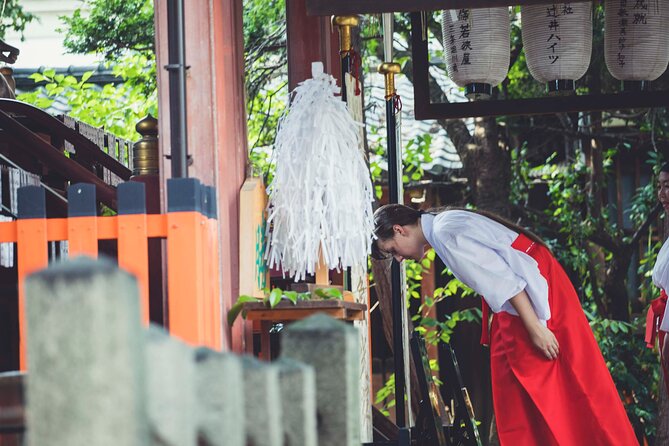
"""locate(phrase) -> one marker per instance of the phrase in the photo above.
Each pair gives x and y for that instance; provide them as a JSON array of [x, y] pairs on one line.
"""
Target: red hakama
[[569, 401], [654, 319]]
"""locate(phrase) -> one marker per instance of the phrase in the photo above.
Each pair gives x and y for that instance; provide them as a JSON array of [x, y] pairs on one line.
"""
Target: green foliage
[[415, 154], [112, 28], [634, 368], [385, 396], [12, 16], [266, 83], [117, 108], [276, 295]]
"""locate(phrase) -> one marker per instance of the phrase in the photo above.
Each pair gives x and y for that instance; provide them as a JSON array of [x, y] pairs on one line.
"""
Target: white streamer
[[321, 196]]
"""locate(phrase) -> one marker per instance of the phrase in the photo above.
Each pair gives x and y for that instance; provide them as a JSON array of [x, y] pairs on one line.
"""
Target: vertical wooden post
[[207, 298], [82, 228], [184, 260], [133, 246], [253, 271], [145, 164], [214, 278], [216, 118], [32, 252]]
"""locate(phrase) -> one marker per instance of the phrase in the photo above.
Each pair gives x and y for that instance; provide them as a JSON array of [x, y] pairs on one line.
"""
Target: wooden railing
[[189, 228], [103, 163]]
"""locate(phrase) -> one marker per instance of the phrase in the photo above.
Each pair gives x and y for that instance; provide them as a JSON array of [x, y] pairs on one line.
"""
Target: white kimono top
[[661, 279], [478, 252]]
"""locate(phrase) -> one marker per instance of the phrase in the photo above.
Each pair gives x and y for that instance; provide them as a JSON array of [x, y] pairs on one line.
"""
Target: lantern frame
[[424, 108]]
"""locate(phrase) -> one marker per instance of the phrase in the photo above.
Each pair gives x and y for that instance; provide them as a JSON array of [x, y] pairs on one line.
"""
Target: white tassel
[[321, 196]]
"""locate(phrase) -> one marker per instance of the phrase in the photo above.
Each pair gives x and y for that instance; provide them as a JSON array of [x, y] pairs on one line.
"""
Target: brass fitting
[[145, 151], [389, 70], [344, 23]]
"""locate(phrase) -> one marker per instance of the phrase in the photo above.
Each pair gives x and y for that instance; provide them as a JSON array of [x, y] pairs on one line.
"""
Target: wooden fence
[[189, 228]]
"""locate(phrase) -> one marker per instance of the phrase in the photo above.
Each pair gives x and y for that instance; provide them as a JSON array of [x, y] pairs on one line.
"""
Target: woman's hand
[[545, 341], [541, 337]]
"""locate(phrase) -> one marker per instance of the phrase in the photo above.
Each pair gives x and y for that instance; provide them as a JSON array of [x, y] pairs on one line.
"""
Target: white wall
[[43, 45]]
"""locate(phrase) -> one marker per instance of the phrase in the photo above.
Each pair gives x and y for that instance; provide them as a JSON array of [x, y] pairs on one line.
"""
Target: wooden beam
[[346, 7], [309, 39], [544, 105]]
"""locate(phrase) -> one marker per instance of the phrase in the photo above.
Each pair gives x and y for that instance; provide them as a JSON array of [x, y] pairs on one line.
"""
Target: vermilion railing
[[190, 230]]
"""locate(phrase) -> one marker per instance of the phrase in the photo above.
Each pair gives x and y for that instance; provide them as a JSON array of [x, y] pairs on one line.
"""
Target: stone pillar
[[298, 402], [85, 356], [220, 399], [331, 347], [262, 403], [170, 389]]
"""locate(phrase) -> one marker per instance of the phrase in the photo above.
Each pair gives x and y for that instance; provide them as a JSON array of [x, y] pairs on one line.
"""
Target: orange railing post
[[32, 250], [194, 311], [184, 260], [82, 225], [133, 240]]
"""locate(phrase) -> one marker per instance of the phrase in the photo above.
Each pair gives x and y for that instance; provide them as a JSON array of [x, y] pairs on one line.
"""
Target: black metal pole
[[176, 69], [345, 68], [394, 190]]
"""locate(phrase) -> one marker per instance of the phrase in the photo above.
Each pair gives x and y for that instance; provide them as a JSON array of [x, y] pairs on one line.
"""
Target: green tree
[[13, 16], [111, 28]]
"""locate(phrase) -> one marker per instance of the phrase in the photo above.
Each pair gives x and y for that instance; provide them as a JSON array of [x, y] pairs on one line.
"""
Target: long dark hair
[[665, 168], [390, 215]]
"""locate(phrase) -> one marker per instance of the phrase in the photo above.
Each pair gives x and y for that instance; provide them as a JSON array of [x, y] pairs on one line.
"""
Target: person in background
[[657, 322]]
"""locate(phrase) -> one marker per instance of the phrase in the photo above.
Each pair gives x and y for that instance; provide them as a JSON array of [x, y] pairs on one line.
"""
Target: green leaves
[[273, 298], [117, 108], [237, 308], [111, 27]]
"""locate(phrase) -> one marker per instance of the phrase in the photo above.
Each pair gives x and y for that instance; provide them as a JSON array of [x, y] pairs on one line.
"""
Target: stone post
[[170, 389], [262, 403], [220, 399], [331, 347], [298, 402], [85, 384]]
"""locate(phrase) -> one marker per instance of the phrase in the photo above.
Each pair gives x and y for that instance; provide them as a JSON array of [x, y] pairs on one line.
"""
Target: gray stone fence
[[96, 376]]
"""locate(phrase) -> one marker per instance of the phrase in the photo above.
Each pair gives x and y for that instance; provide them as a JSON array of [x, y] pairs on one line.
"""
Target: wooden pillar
[[216, 119], [310, 39]]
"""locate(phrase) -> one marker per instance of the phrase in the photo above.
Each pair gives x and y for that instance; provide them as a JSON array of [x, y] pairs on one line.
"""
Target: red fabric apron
[[570, 401], [653, 322]]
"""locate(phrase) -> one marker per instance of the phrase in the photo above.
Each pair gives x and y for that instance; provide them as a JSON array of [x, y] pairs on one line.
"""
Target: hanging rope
[[355, 70], [321, 196], [397, 103]]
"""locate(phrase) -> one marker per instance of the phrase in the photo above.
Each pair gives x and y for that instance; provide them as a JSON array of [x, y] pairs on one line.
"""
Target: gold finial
[[345, 22], [389, 70], [145, 151]]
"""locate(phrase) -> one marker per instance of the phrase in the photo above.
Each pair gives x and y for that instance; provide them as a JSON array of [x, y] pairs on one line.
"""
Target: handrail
[[85, 148], [55, 158]]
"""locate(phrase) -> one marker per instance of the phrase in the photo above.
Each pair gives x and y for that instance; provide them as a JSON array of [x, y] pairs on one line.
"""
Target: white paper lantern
[[557, 38], [477, 46], [636, 40]]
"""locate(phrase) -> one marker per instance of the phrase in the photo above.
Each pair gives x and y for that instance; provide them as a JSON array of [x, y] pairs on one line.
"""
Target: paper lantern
[[557, 38], [636, 40], [477, 47]]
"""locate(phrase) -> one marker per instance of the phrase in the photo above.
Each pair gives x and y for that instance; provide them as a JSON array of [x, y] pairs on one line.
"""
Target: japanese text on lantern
[[553, 14], [459, 38], [638, 17]]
